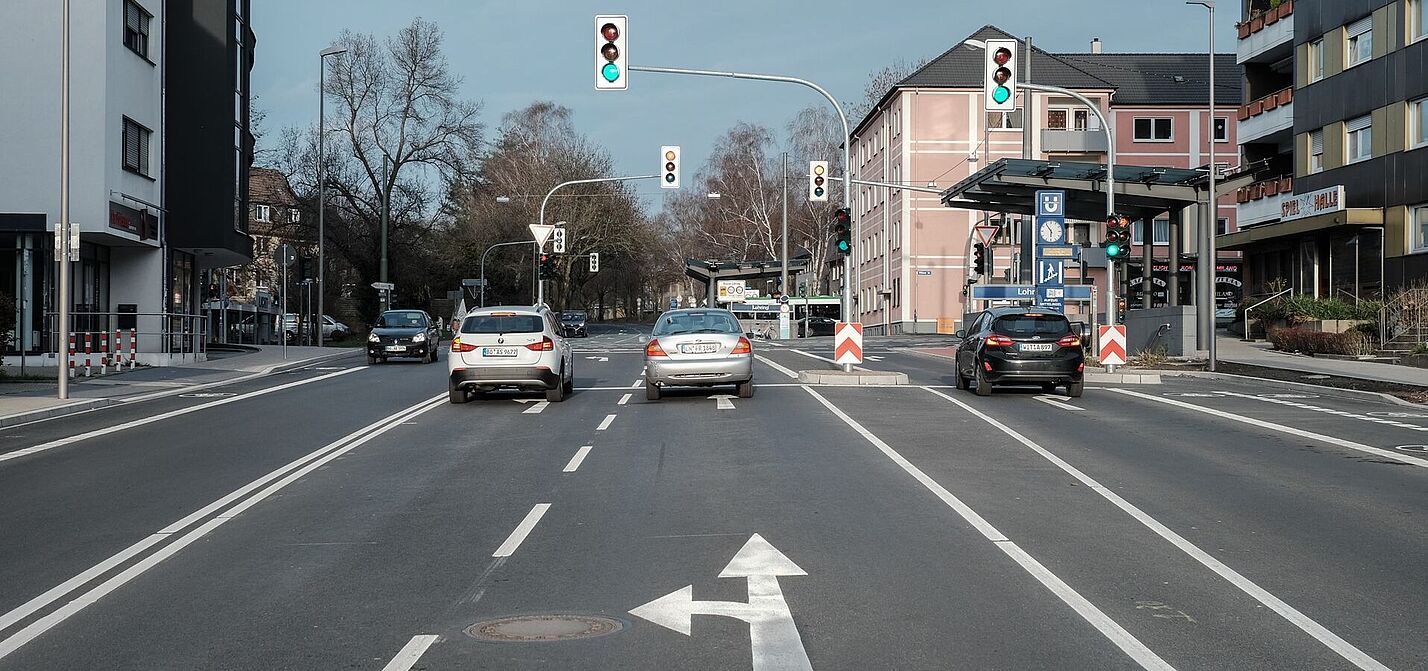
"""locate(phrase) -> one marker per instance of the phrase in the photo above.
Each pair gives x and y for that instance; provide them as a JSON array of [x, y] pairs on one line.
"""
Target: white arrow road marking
[[773, 636], [723, 402], [535, 409], [601, 359], [408, 656], [1057, 402], [873, 358]]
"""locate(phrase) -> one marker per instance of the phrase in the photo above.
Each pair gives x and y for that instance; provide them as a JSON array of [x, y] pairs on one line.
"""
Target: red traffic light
[[1002, 56], [842, 217], [610, 52], [610, 31]]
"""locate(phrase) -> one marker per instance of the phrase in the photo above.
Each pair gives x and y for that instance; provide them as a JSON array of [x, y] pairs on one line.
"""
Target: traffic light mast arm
[[890, 185], [540, 286], [1105, 128]]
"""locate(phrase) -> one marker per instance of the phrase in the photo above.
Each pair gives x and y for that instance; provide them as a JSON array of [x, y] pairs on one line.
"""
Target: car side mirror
[[1079, 328], [960, 335]]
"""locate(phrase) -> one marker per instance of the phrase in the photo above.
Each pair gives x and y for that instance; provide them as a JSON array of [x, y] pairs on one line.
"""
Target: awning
[[1351, 218]]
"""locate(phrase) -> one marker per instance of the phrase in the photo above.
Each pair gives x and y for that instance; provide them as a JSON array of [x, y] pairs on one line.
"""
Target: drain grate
[[543, 628]]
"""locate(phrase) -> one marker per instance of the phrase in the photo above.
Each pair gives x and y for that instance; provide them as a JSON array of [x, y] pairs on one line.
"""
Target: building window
[[1222, 226], [1158, 129], [1418, 123], [1360, 138], [262, 213], [1316, 60], [1004, 120], [136, 28], [1360, 42], [1418, 219], [136, 147], [1161, 231], [1417, 20], [1316, 151], [1056, 119], [1222, 129]]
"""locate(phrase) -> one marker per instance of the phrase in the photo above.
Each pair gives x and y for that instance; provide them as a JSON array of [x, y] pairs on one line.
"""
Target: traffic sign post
[[848, 343], [1050, 233]]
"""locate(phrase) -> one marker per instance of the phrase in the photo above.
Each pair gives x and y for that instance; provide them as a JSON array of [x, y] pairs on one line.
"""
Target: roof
[[961, 67], [267, 186], [1010, 185]]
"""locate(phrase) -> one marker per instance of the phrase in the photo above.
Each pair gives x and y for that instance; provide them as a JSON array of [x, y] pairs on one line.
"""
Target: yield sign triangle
[[985, 233], [541, 233]]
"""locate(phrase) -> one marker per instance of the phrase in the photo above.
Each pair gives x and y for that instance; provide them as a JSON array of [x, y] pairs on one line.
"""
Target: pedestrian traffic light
[[999, 85], [610, 53], [669, 166], [843, 231], [1117, 240], [547, 266], [594, 262], [979, 259], [817, 181]]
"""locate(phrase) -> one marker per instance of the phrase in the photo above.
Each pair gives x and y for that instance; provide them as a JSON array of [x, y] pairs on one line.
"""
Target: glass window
[[1316, 151], [1222, 129], [1418, 217], [1161, 230], [1360, 42], [1004, 120], [1360, 138], [404, 319], [1418, 121], [1159, 129], [1032, 324], [1056, 119], [1222, 226], [501, 324], [136, 28], [136, 147], [1417, 20], [713, 321], [1316, 60]]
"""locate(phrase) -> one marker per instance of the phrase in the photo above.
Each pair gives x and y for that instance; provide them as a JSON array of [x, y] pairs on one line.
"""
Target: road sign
[[848, 343], [773, 635], [1011, 292], [1051, 203], [985, 233], [924, 273], [731, 291], [558, 246], [285, 255], [383, 286], [541, 233], [1113, 345], [478, 282], [1050, 271]]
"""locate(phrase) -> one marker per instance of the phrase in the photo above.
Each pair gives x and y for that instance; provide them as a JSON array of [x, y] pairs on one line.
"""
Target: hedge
[[1317, 342]]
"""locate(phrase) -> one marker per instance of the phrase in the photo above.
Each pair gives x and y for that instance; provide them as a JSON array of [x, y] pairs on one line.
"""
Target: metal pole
[[1025, 267], [321, 180], [1214, 203], [783, 273], [540, 287], [847, 156], [283, 318], [386, 205], [62, 241]]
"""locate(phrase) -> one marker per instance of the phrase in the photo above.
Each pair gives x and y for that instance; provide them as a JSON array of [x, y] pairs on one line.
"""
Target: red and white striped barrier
[[88, 350], [133, 346], [71, 356]]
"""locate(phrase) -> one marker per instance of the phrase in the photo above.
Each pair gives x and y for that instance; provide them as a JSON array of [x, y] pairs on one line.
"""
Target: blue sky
[[512, 52]]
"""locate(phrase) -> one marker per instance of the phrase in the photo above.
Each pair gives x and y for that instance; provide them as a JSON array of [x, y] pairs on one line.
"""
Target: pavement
[[1261, 353], [346, 516]]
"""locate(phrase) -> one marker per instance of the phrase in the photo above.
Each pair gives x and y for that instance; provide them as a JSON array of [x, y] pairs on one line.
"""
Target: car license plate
[[699, 348], [1036, 347], [396, 348], [499, 351]]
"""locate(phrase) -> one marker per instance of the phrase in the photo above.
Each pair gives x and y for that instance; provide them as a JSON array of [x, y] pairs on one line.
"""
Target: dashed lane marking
[[408, 656], [624, 399], [536, 409], [1058, 402], [522, 530], [577, 459], [605, 424]]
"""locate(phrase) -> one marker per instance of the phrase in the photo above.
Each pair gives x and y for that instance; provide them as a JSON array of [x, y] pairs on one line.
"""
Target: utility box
[[1168, 331]]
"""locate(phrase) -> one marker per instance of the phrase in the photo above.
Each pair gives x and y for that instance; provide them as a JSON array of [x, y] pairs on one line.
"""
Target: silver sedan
[[698, 347]]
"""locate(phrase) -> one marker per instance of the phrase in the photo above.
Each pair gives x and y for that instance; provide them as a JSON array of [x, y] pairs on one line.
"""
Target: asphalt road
[[349, 518]]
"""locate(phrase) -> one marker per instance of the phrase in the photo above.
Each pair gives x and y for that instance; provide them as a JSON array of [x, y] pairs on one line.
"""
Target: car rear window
[[1032, 324], [503, 324], [697, 322]]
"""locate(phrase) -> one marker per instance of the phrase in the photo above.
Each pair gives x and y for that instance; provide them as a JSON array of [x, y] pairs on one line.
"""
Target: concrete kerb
[[857, 378], [1138, 377], [56, 411]]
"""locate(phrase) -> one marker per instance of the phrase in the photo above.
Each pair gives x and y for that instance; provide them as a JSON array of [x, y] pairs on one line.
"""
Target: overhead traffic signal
[[999, 86], [610, 53], [1117, 240], [979, 259], [594, 262], [547, 266], [558, 240], [669, 167], [817, 181], [843, 231]]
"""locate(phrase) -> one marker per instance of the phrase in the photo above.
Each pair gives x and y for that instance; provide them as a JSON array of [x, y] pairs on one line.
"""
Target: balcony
[[1268, 35], [1059, 141], [1270, 118], [1260, 202]]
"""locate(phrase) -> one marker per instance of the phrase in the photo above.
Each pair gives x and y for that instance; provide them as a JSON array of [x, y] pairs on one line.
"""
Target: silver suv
[[510, 348]]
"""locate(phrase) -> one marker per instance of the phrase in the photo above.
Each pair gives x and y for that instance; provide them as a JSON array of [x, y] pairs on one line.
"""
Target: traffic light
[[558, 240], [979, 259], [843, 231], [999, 86], [817, 181], [547, 266], [669, 165], [610, 53], [594, 262], [1117, 241]]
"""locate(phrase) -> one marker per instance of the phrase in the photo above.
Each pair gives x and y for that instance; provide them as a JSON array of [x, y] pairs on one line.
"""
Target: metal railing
[[1403, 314], [1249, 337], [177, 334]]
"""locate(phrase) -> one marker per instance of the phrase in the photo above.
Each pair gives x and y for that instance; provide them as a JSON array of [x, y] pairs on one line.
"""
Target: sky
[[512, 52]]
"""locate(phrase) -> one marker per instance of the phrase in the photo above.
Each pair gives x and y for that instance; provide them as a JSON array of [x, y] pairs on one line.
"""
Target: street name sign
[[383, 286]]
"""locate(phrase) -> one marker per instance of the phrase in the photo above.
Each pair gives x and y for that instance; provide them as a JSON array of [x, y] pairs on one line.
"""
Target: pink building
[[930, 129]]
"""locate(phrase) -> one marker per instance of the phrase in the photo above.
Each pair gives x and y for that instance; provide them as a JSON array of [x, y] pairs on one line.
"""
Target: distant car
[[331, 328], [817, 326], [698, 347], [403, 333], [510, 348], [1020, 346], [572, 324]]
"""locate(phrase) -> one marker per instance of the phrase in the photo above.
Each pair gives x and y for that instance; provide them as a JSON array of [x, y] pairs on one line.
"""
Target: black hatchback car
[[403, 333], [572, 324], [1020, 346]]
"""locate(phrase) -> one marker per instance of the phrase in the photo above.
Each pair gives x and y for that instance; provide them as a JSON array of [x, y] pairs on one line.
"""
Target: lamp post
[[62, 238], [321, 182], [1209, 265]]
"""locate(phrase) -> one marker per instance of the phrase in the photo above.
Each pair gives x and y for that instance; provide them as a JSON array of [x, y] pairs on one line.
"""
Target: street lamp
[[1209, 266], [322, 182], [714, 195]]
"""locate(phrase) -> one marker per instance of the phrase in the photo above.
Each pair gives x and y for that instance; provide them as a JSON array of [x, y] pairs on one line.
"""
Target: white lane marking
[[1376, 417], [167, 415], [723, 402], [577, 459], [1087, 610], [605, 424], [303, 465], [775, 365], [1309, 626], [624, 399], [1340, 442], [409, 654], [873, 358], [639, 382], [1058, 402], [522, 530], [535, 409]]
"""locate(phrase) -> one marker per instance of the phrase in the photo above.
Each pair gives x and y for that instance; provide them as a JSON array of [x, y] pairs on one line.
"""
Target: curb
[[57, 411], [854, 379], [1123, 378]]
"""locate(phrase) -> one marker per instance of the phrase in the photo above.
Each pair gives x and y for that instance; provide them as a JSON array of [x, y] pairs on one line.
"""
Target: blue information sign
[[1027, 292]]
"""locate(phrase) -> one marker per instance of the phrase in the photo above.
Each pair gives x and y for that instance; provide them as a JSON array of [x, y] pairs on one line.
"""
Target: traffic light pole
[[483, 263], [848, 268], [540, 284]]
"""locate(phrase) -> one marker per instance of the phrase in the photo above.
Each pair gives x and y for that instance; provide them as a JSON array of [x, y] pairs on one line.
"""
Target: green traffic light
[[845, 246], [611, 72], [1001, 94], [1113, 250]]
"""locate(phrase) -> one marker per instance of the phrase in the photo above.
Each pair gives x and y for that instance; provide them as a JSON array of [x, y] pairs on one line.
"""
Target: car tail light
[[999, 341], [987, 365], [545, 345], [743, 347], [653, 349], [458, 346], [1081, 368], [1069, 341]]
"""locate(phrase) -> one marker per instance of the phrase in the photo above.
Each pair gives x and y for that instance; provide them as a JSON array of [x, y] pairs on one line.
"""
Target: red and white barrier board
[[1113, 345], [848, 343]]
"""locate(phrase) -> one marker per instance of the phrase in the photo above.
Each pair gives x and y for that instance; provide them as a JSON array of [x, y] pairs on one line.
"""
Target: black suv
[[1020, 346], [406, 333], [572, 324]]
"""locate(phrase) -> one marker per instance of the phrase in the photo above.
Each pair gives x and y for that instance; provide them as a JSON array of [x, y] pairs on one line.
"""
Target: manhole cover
[[543, 628]]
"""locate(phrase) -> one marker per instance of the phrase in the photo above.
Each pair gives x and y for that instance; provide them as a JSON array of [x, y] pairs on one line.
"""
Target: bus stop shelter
[[711, 271]]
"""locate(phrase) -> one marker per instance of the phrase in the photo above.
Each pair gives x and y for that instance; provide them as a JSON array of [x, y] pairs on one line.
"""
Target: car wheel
[[371, 360], [962, 382], [652, 391], [570, 383], [455, 394], [746, 389], [983, 388], [556, 394], [1075, 388]]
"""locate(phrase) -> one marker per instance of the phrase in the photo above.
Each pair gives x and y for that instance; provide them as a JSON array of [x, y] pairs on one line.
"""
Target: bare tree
[[879, 83], [814, 134]]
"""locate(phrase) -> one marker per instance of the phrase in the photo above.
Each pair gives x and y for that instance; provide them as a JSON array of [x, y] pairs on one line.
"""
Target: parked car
[[1020, 346], [333, 329], [698, 347], [816, 326], [510, 348], [572, 324], [403, 333]]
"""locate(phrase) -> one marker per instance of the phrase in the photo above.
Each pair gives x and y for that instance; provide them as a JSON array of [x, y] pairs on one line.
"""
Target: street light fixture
[[503, 199], [322, 182], [714, 195]]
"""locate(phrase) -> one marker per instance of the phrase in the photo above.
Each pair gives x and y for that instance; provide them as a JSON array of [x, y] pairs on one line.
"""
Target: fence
[[111, 338]]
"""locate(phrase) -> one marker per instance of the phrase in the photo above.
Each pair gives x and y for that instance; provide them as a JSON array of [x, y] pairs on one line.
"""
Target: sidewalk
[[1234, 350], [28, 401]]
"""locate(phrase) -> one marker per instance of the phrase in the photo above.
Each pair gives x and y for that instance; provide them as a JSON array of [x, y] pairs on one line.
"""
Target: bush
[[7, 318], [1350, 343]]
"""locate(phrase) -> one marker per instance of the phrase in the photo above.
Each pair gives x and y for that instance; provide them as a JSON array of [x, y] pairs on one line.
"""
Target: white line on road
[[1087, 610], [723, 402], [576, 460], [821, 358], [1331, 411], [408, 656], [624, 399], [167, 415], [1309, 626], [535, 409], [523, 529], [1339, 442], [774, 365], [293, 470], [605, 424], [1058, 402], [639, 382]]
